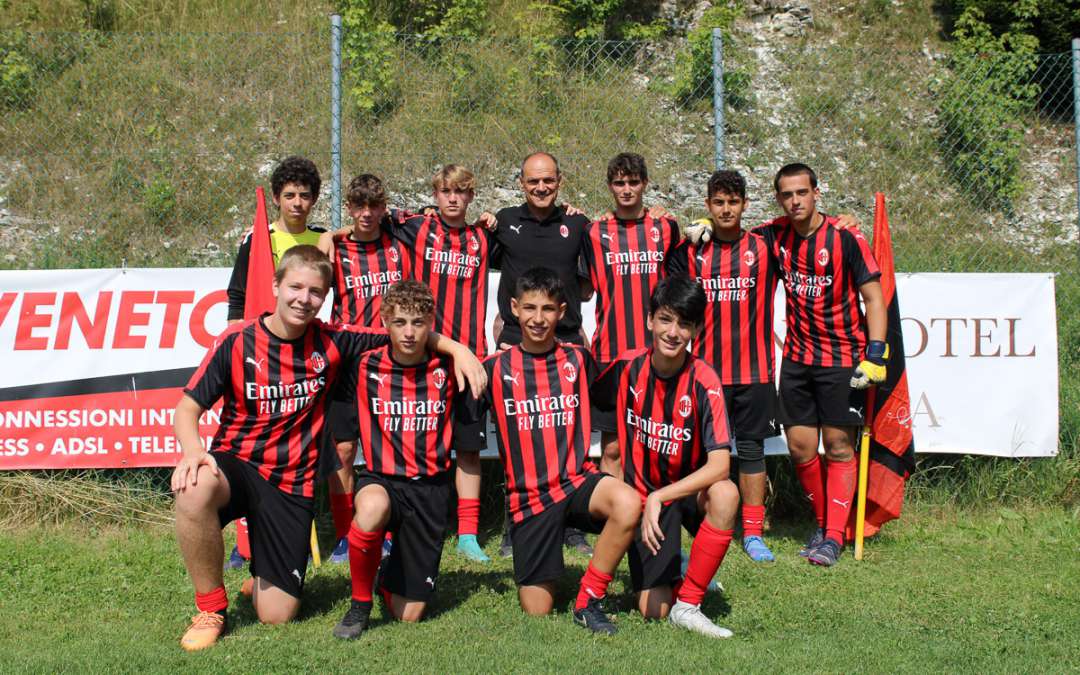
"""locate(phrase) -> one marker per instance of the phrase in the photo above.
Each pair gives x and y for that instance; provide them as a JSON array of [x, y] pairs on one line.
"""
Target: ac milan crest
[[393, 255], [749, 258], [685, 406], [569, 372], [654, 234], [564, 231], [823, 257], [438, 378], [317, 362], [474, 244]]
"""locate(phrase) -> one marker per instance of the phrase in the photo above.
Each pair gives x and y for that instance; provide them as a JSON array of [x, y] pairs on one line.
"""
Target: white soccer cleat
[[690, 617]]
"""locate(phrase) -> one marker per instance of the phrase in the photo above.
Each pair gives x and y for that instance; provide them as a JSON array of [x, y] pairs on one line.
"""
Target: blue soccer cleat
[[684, 562], [341, 551], [825, 555], [470, 548], [235, 561], [756, 548], [816, 539], [387, 547]]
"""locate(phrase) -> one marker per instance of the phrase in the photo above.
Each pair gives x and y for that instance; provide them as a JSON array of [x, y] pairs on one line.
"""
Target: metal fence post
[[1076, 117], [335, 121], [718, 95]]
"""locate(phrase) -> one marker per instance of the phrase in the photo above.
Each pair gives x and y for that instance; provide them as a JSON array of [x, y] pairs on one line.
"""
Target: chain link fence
[[146, 147]]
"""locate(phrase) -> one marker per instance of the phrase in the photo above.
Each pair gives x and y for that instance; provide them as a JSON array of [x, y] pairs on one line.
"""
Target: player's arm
[[717, 467], [186, 427], [872, 369], [468, 370], [237, 290], [328, 239]]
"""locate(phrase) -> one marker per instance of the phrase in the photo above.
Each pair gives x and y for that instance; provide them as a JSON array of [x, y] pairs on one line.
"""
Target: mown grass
[[991, 590]]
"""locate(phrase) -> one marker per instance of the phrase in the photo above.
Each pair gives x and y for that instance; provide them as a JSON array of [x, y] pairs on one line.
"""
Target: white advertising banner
[[95, 360]]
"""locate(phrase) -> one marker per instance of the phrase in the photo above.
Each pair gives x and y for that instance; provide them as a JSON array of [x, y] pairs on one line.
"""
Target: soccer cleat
[[235, 561], [341, 551], [690, 617], [825, 555], [575, 539], [593, 617], [204, 631], [354, 622], [387, 546], [470, 548], [816, 539], [756, 548], [684, 563], [506, 549], [247, 589]]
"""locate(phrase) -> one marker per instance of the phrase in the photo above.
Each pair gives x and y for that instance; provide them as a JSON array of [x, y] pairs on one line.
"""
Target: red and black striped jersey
[[739, 278], [822, 274], [274, 394], [453, 262], [405, 414], [363, 270], [540, 406], [666, 425], [624, 260]]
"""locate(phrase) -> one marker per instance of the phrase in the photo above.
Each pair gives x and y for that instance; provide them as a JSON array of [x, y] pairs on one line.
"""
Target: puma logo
[[299, 579], [430, 582], [381, 379], [841, 503], [605, 235], [716, 392], [437, 238], [636, 393], [516, 229], [701, 259], [511, 378], [857, 411], [257, 364]]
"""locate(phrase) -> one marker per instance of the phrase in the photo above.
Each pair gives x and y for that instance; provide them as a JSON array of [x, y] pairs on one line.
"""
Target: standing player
[[294, 188], [832, 350], [539, 398], [404, 406], [623, 258], [272, 373], [366, 262], [739, 279], [673, 432]]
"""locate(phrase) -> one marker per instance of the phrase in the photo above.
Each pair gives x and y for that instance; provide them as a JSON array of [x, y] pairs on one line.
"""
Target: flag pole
[[864, 470]]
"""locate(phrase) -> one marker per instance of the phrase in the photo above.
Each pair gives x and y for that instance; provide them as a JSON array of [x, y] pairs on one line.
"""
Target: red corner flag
[[892, 449], [259, 295]]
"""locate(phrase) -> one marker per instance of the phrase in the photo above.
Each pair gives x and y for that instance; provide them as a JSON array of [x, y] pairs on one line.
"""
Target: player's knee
[[655, 603], [625, 506], [723, 497], [199, 498], [751, 456], [278, 612], [412, 613], [372, 508], [838, 445]]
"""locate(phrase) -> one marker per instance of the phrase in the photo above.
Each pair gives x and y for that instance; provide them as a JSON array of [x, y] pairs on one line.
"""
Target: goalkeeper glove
[[699, 231], [872, 368]]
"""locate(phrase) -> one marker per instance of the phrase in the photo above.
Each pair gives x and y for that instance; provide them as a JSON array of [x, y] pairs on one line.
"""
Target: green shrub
[[159, 200], [16, 73], [367, 52], [982, 103], [694, 65]]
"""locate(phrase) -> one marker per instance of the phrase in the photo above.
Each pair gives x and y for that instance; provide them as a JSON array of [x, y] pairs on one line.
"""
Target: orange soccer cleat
[[204, 631]]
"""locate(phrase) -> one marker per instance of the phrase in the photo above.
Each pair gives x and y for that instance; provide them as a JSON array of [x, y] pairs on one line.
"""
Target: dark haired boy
[[367, 260], [623, 259], [833, 349], [538, 395], [673, 433], [739, 280], [272, 374], [404, 402]]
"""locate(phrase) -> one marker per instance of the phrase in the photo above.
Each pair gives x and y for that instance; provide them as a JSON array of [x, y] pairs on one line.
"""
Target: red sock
[[594, 584], [813, 484], [242, 543], [753, 520], [365, 552], [468, 516], [707, 552], [840, 488], [216, 600], [341, 509]]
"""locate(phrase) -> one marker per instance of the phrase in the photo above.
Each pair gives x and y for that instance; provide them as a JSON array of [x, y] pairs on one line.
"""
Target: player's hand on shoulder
[[469, 372], [572, 210], [846, 221], [699, 231], [657, 211], [651, 533], [488, 221], [186, 473]]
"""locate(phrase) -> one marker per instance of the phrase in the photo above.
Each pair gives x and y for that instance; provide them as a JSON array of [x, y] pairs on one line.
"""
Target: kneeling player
[[673, 434], [404, 403], [272, 373], [539, 399]]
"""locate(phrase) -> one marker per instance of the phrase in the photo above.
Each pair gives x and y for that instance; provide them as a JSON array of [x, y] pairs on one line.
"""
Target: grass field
[[993, 590]]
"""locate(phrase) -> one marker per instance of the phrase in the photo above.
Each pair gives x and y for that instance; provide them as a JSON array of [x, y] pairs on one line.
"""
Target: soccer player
[[272, 373], [739, 279], [366, 262], [673, 432], [294, 188], [539, 398], [832, 352], [623, 258], [404, 406]]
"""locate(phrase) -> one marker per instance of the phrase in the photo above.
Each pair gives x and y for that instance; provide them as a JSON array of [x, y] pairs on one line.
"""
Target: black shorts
[[665, 568], [604, 421], [419, 510], [817, 395], [470, 436], [538, 540], [751, 410], [279, 524], [343, 420]]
